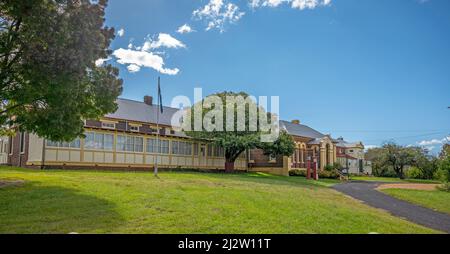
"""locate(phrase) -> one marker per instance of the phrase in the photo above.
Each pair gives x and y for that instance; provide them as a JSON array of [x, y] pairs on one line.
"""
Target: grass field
[[438, 200], [127, 202], [391, 179]]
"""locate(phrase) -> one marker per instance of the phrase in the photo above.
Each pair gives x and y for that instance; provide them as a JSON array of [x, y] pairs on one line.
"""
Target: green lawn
[[438, 200], [391, 179], [127, 202]]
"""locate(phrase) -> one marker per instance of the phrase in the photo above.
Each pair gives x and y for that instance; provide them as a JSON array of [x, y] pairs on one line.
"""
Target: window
[[219, 151], [99, 141], [134, 128], [74, 144], [209, 150], [121, 140], [139, 144], [152, 146], [175, 146], [195, 149], [107, 125], [130, 144], [22, 142], [182, 148]]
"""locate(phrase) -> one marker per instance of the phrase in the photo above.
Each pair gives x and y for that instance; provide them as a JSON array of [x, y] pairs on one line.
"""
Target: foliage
[[444, 169], [328, 167], [445, 152], [297, 172], [284, 145], [332, 174], [49, 81], [234, 141], [337, 166], [414, 173], [444, 187]]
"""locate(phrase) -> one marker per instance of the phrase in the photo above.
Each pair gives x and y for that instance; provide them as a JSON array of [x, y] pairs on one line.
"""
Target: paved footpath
[[366, 192]]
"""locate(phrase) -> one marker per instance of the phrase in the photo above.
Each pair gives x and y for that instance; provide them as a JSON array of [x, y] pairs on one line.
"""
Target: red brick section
[[16, 158], [262, 160]]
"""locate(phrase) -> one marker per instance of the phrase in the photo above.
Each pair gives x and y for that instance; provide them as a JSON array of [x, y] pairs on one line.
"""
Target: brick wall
[[16, 158]]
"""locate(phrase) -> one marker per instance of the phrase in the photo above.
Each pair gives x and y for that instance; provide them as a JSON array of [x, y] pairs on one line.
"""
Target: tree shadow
[[34, 208]]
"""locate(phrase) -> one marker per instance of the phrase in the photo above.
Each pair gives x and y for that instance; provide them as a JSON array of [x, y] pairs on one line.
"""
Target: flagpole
[[158, 149]]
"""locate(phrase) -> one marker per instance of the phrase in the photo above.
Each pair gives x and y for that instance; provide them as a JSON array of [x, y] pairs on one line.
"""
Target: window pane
[[75, 143], [108, 142], [52, 143], [150, 145], [89, 141], [165, 146], [174, 147], [121, 143], [195, 149], [98, 141], [130, 144], [210, 148], [139, 144]]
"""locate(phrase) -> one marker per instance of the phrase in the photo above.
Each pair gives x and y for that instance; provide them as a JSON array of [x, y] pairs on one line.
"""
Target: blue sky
[[371, 70]]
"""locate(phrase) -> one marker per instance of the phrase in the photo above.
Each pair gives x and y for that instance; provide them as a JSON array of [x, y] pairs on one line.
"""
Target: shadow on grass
[[34, 208]]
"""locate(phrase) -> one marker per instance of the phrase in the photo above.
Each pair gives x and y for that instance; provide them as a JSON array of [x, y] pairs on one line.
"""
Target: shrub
[[329, 168], [333, 174], [297, 172], [415, 173], [337, 165], [444, 187]]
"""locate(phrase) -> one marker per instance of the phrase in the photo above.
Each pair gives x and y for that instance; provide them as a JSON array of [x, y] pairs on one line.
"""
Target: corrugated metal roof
[[139, 111], [300, 130]]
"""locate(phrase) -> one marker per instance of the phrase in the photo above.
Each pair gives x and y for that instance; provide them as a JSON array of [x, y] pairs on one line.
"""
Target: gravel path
[[366, 192]]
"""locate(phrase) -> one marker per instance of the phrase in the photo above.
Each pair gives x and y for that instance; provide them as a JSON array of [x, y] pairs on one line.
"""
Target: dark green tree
[[49, 81], [235, 141]]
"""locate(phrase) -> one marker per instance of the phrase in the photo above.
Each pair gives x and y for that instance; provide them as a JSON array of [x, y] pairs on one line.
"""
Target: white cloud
[[185, 29], [136, 59], [121, 32], [434, 142], [133, 68], [164, 40], [101, 61], [296, 4], [218, 13]]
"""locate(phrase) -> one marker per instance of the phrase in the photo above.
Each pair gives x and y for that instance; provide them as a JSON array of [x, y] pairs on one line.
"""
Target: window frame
[[105, 125]]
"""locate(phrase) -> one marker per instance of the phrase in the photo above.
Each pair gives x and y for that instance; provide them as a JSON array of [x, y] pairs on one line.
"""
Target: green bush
[[444, 187], [333, 174], [297, 172], [329, 168], [415, 173]]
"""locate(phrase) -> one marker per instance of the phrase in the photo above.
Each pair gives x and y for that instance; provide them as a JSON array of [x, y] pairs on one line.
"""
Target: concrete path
[[365, 191]]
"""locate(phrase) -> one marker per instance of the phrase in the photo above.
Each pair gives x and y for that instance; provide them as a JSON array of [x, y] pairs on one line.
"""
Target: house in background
[[351, 156], [312, 149]]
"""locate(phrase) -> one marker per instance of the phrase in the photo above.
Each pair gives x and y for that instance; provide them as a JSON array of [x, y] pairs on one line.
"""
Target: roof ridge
[[126, 99]]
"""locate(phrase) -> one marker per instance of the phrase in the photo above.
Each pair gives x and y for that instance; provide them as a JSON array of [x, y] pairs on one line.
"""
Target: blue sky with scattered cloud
[[372, 70]]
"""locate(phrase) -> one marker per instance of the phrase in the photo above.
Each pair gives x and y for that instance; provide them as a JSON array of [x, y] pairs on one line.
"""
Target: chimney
[[148, 100], [295, 121]]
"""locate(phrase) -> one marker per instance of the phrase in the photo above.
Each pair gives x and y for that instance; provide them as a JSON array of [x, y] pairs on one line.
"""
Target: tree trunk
[[229, 167]]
